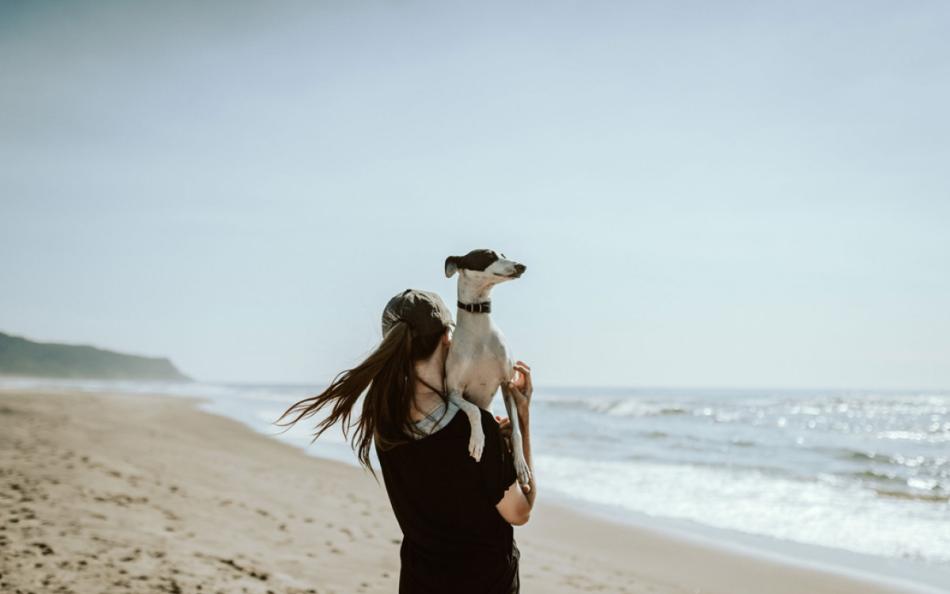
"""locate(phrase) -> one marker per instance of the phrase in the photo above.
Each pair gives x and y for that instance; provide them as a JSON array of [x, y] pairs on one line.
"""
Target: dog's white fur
[[478, 360]]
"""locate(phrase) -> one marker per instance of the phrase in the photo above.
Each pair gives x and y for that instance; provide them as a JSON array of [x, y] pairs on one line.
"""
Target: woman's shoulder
[[461, 424], [455, 429], [459, 428]]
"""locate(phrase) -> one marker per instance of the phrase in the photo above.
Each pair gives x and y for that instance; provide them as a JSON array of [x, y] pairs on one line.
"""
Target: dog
[[478, 361]]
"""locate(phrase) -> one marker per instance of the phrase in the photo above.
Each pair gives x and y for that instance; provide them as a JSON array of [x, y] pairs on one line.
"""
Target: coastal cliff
[[22, 357]]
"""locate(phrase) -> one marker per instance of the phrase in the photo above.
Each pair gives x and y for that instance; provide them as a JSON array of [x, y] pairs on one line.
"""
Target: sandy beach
[[133, 494]]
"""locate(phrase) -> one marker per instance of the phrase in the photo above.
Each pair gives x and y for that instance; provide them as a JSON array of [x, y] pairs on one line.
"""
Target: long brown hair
[[390, 377]]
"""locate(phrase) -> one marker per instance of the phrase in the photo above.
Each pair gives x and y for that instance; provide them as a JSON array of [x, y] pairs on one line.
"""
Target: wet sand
[[134, 494]]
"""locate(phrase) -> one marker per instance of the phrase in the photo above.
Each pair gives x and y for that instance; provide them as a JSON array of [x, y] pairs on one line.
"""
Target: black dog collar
[[484, 307]]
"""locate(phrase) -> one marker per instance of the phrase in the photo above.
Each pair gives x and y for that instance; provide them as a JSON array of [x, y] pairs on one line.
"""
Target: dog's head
[[484, 266]]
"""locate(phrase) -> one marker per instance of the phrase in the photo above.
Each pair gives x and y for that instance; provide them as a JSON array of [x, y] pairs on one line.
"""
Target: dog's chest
[[478, 366]]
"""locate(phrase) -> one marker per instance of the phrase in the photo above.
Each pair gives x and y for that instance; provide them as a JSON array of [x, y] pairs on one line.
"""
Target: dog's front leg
[[517, 445], [476, 441]]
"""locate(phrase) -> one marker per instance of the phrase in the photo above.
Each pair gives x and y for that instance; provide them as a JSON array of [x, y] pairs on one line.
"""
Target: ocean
[[865, 472]]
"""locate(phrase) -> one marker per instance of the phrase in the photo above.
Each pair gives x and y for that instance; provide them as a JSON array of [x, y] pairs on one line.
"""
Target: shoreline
[[563, 550], [901, 574], [913, 574]]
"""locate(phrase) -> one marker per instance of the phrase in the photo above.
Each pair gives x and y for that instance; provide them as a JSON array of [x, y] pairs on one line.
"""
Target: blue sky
[[705, 194]]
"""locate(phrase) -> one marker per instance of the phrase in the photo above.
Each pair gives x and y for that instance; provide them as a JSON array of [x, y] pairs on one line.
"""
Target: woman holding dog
[[456, 514]]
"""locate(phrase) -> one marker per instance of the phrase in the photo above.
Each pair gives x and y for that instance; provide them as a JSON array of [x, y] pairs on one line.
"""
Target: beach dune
[[133, 494]]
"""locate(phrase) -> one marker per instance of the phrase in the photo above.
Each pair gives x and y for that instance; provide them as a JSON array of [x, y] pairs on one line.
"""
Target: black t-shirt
[[454, 539]]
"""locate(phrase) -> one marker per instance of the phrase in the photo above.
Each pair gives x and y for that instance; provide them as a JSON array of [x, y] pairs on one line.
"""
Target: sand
[[133, 494]]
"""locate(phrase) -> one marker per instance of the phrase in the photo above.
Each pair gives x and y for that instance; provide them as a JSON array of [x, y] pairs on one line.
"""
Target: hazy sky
[[705, 193]]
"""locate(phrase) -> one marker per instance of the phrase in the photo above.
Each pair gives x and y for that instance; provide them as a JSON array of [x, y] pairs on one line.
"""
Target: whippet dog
[[478, 360]]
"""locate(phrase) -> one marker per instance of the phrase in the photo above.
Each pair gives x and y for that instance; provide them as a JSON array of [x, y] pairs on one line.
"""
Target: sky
[[729, 194]]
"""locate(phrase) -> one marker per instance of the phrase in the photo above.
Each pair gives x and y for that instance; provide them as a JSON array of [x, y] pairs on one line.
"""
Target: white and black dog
[[478, 361]]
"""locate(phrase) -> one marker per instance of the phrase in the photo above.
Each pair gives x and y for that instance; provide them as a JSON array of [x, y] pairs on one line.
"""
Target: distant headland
[[22, 357]]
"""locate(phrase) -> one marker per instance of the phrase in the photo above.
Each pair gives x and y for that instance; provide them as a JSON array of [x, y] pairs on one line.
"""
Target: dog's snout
[[520, 268]]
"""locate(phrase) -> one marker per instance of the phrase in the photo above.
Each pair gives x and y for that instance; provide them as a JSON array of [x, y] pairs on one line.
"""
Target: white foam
[[809, 512]]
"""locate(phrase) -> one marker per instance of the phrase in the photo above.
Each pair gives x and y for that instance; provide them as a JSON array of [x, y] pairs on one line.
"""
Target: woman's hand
[[521, 388], [504, 427]]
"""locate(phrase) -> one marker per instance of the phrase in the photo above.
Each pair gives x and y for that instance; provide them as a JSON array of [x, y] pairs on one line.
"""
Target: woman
[[456, 514]]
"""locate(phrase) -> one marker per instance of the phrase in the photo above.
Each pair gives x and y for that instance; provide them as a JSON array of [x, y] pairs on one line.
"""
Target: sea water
[[861, 471]]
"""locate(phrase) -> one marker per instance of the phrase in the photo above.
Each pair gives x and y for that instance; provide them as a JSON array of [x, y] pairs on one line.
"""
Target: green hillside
[[22, 357]]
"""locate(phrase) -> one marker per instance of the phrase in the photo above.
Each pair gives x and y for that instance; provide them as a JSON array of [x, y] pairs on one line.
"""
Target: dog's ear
[[451, 266]]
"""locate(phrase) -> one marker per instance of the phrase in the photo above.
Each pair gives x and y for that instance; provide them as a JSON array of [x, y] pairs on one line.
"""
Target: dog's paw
[[523, 472], [476, 443]]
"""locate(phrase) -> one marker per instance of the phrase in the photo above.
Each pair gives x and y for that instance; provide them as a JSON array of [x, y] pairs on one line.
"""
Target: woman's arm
[[515, 507]]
